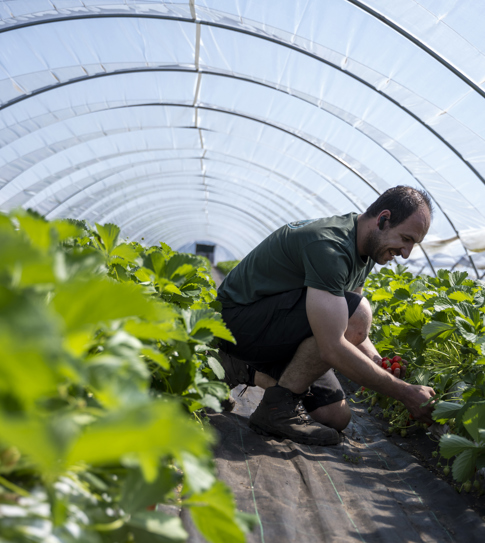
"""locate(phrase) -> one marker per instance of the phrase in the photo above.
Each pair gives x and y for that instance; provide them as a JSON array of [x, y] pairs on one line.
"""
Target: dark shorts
[[269, 332]]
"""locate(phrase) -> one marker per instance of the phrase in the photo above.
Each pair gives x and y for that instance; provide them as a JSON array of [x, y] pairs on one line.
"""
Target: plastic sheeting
[[221, 120]]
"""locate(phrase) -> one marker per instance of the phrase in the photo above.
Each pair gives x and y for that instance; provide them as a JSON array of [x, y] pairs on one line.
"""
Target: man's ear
[[384, 216]]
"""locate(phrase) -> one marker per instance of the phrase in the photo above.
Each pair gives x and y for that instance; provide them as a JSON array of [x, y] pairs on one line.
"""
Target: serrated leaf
[[123, 250], [466, 329], [213, 515], [164, 331], [463, 467], [198, 472], [157, 357], [216, 367], [159, 428], [90, 302], [156, 527], [444, 411], [381, 294], [434, 329], [421, 376], [451, 445], [414, 315], [474, 420], [460, 296], [109, 235], [457, 277], [137, 494]]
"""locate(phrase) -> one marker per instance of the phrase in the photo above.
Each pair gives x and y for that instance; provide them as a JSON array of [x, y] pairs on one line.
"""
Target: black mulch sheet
[[376, 493]]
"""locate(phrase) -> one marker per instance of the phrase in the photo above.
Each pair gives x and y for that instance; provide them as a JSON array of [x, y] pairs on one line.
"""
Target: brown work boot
[[282, 414], [236, 370]]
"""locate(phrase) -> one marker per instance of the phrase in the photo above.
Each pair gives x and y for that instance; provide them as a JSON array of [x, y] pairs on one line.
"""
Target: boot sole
[[297, 439]]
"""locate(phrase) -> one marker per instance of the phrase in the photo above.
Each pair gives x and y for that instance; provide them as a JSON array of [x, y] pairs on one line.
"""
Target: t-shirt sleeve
[[326, 268]]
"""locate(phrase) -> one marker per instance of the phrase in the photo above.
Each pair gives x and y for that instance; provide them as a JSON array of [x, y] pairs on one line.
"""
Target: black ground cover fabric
[[375, 493]]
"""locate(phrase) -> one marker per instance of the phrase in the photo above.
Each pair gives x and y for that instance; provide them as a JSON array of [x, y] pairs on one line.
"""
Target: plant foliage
[[226, 266], [438, 325], [108, 358]]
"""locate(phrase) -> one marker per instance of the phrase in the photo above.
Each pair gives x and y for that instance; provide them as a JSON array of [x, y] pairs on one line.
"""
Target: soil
[[418, 442]]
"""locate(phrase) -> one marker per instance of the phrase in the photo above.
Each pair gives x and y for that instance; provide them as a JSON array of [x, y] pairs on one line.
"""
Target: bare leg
[[307, 365]]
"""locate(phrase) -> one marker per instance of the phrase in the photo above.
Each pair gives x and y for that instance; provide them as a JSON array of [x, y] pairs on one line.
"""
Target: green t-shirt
[[318, 253]]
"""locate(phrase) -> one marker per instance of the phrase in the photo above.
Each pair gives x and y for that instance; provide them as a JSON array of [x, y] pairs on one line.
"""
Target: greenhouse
[[143, 143]]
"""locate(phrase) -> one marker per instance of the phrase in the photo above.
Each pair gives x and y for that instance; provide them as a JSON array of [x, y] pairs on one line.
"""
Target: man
[[295, 307]]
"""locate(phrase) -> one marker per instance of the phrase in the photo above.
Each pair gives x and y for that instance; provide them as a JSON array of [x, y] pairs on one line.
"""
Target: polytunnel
[[205, 125], [219, 121]]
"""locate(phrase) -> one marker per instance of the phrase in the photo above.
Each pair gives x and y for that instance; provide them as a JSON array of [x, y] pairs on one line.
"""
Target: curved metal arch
[[357, 3], [377, 15], [282, 129], [243, 31], [277, 201], [256, 166], [225, 210], [338, 159], [178, 192], [186, 205], [382, 147]]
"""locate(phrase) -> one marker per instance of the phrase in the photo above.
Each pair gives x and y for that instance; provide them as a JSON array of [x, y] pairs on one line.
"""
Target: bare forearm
[[359, 365], [367, 348]]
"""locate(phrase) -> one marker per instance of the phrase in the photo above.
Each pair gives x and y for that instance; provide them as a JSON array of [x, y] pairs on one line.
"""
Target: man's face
[[383, 245]]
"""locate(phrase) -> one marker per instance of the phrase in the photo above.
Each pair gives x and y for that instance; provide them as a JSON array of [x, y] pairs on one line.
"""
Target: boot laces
[[302, 413]]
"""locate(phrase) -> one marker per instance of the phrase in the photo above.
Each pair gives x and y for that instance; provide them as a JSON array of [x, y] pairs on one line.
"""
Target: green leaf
[[125, 251], [464, 465], [414, 315], [466, 329], [469, 312], [157, 357], [137, 494], [91, 302], [198, 472], [434, 329], [381, 294], [451, 445], [156, 527], [163, 331], [457, 277], [213, 514], [109, 235], [445, 410], [474, 420], [38, 230], [401, 294], [421, 376], [460, 296], [159, 428], [216, 367]]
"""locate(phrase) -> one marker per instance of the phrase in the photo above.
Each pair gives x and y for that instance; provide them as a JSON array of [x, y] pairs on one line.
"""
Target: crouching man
[[295, 306]]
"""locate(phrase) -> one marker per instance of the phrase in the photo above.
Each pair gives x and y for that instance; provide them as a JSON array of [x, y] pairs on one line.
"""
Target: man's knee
[[335, 415], [359, 323]]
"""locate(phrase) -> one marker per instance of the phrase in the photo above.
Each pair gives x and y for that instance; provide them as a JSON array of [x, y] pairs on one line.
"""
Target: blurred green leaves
[[107, 348]]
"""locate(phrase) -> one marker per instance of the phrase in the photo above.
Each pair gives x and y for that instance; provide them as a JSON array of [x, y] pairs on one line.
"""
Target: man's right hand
[[415, 396]]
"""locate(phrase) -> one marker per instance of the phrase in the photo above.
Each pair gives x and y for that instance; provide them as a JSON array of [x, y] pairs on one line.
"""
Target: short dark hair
[[401, 201]]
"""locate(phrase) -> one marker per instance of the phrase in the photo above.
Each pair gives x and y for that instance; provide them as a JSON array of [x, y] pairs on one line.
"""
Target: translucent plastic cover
[[221, 120]]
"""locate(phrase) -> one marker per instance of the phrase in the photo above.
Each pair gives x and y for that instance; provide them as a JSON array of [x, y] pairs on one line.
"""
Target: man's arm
[[328, 317], [368, 348]]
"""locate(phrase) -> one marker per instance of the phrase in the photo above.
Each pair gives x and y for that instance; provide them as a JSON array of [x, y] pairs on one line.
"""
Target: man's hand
[[415, 396], [400, 373]]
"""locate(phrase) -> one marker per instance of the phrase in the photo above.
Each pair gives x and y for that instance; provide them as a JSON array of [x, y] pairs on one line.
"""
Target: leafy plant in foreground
[[107, 359]]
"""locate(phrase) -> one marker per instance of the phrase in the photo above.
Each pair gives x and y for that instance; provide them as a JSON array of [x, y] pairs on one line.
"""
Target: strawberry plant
[[226, 266], [108, 359], [438, 325]]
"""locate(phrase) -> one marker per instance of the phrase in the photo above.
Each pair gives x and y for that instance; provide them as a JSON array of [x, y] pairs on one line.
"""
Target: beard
[[374, 247]]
